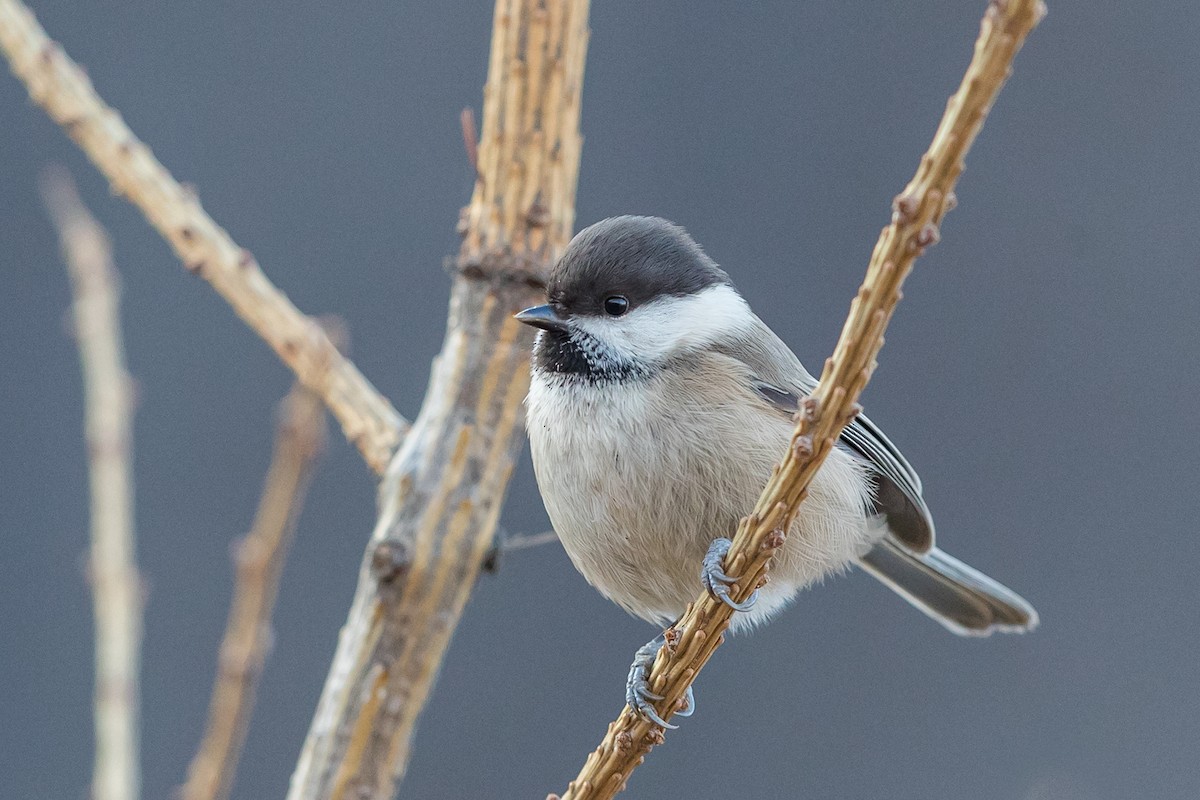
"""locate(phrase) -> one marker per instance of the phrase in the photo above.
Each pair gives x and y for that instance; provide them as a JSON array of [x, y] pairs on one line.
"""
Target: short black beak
[[542, 317]]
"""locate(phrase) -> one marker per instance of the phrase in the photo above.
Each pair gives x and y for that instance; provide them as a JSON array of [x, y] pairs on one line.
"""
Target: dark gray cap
[[638, 258]]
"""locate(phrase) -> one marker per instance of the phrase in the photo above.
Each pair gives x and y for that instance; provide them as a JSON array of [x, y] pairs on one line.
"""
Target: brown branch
[[441, 498], [60, 87], [918, 212], [112, 566], [299, 440], [470, 140]]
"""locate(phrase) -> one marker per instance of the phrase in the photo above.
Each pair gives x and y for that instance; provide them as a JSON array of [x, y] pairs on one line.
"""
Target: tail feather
[[960, 597]]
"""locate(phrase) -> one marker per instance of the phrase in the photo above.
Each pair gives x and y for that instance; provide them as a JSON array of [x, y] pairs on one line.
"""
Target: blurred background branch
[[112, 564], [917, 214], [443, 491], [259, 557], [63, 90]]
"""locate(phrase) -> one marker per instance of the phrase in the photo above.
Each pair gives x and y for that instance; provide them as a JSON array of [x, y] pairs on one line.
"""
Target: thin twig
[[64, 90], [470, 138], [112, 565], [525, 540], [505, 543], [299, 440], [441, 497], [918, 212]]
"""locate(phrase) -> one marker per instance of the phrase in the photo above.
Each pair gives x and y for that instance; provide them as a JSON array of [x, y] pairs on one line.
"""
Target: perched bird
[[658, 406]]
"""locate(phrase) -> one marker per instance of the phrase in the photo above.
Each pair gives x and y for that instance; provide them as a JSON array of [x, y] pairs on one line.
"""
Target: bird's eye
[[616, 305]]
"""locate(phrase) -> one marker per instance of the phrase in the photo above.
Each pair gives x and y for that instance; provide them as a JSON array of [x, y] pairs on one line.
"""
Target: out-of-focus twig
[[524, 541], [917, 213], [112, 564], [441, 497], [470, 138], [505, 543], [59, 86], [299, 440]]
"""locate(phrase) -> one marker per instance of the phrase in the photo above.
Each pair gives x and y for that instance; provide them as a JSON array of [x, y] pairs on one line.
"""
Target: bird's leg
[[716, 581], [637, 692]]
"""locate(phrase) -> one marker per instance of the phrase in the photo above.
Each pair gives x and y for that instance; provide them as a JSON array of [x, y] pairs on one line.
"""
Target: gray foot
[[717, 582], [637, 693]]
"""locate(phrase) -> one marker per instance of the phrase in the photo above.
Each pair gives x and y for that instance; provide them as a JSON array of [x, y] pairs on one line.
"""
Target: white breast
[[639, 477]]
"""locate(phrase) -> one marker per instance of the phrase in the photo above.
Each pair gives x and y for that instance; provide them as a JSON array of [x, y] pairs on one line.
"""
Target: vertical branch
[[299, 440], [441, 496], [112, 567], [917, 213]]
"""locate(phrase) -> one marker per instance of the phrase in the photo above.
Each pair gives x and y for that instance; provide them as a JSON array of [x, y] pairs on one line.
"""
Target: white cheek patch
[[669, 325]]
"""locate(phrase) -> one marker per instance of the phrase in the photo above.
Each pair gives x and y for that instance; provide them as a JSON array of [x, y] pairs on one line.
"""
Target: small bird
[[658, 405]]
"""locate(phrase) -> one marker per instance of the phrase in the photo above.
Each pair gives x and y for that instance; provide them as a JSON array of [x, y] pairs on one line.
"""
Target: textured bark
[[442, 494], [917, 213]]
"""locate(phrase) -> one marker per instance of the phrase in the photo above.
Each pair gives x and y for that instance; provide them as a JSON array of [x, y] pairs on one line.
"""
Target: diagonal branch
[[441, 498], [60, 87], [918, 212], [299, 440], [112, 566]]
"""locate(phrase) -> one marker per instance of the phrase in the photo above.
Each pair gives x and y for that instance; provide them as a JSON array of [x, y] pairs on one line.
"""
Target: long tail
[[961, 598]]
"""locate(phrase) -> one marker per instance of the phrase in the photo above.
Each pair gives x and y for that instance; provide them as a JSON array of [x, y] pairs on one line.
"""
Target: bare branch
[[470, 139], [526, 540], [60, 87], [112, 565], [504, 544], [299, 440], [441, 498], [918, 212]]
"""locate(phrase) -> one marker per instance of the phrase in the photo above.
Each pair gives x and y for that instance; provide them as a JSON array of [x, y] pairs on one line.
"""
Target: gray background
[[1040, 374]]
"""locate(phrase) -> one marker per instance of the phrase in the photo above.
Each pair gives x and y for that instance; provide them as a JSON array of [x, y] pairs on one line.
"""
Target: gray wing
[[780, 379]]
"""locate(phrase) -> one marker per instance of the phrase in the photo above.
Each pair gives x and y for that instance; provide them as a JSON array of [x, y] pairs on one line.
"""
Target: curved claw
[[717, 582], [646, 694], [638, 698], [691, 705], [637, 694], [647, 711], [721, 592], [718, 574]]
